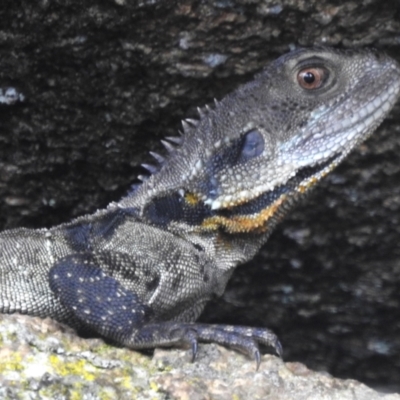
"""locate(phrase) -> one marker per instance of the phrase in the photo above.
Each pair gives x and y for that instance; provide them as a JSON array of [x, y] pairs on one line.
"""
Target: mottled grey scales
[[141, 271]]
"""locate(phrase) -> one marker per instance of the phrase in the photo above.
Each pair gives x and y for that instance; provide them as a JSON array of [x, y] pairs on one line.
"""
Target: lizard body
[[141, 271]]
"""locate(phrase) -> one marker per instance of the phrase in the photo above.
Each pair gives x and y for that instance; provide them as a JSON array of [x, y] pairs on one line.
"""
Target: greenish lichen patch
[[78, 367], [12, 362]]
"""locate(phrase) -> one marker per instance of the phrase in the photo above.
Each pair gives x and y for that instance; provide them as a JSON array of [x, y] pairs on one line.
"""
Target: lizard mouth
[[303, 180]]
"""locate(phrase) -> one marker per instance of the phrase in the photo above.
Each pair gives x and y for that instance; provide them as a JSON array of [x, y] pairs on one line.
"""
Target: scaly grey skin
[[141, 271]]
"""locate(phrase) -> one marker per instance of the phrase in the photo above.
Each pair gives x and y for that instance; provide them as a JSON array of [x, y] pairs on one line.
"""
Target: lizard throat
[[257, 215]]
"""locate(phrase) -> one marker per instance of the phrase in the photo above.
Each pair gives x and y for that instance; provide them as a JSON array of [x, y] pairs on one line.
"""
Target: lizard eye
[[253, 145], [312, 78]]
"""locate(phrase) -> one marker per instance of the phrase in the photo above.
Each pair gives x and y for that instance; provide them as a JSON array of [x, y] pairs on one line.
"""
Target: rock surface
[[87, 88], [40, 359]]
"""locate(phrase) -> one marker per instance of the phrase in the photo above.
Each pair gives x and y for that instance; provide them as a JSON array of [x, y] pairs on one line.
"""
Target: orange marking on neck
[[307, 184], [303, 187], [191, 198], [244, 223]]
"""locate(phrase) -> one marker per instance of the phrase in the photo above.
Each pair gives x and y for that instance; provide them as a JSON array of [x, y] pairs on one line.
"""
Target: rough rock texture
[[40, 359], [87, 88]]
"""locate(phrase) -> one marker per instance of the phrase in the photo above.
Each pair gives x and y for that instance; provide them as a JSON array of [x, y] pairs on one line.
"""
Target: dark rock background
[[88, 87]]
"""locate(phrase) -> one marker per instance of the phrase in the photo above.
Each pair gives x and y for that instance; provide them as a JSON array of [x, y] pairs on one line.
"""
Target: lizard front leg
[[104, 305]]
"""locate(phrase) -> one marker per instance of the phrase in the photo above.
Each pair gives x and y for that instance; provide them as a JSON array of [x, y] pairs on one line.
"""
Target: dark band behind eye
[[253, 145]]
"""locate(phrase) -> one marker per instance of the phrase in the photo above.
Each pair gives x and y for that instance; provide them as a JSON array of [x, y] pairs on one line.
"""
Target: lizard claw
[[194, 349], [257, 357], [278, 348], [190, 338]]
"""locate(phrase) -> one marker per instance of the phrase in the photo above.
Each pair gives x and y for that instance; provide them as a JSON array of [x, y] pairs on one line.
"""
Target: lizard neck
[[231, 236]]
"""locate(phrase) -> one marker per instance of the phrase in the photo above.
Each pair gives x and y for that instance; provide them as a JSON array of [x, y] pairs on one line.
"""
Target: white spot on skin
[[49, 247], [215, 205], [227, 199], [248, 127], [199, 165]]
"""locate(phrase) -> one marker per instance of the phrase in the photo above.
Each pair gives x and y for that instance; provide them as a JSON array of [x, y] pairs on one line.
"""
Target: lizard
[[140, 272]]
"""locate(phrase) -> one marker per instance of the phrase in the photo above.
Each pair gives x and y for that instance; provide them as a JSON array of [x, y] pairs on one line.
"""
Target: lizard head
[[278, 135], [301, 116]]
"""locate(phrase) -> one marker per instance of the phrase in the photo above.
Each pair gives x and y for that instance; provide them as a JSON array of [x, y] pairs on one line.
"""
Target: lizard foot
[[244, 339]]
